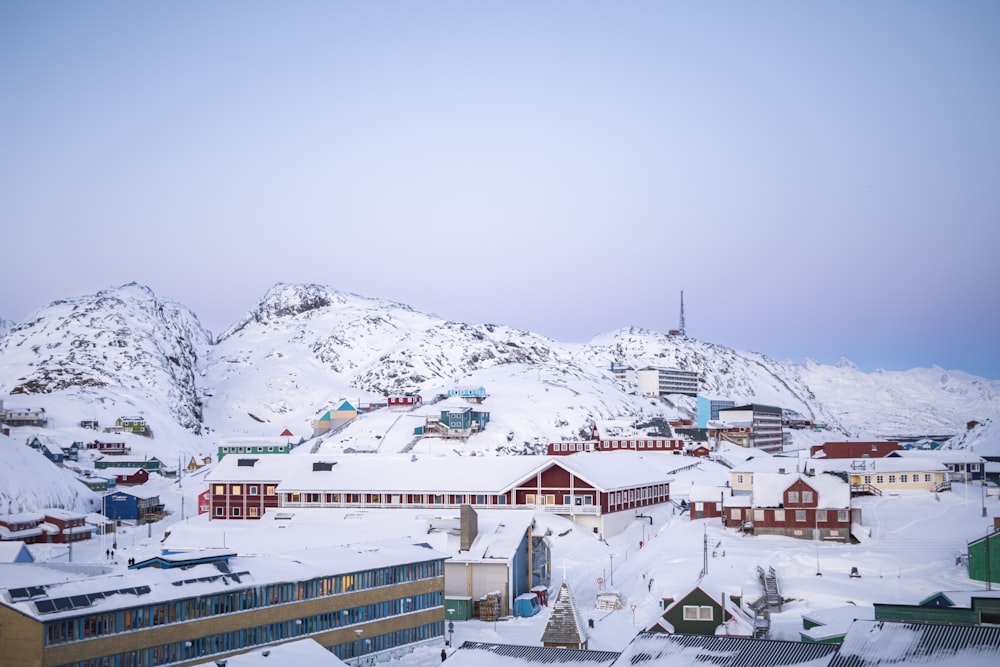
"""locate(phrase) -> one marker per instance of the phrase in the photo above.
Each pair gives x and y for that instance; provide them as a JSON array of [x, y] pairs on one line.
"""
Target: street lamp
[[612, 577], [984, 497]]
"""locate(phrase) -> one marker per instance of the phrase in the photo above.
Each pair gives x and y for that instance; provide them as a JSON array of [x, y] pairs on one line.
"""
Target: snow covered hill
[[305, 348]]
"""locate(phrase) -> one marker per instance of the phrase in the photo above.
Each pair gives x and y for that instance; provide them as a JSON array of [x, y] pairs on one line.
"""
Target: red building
[[131, 476], [404, 400], [599, 444], [794, 505], [51, 526], [602, 493], [855, 450]]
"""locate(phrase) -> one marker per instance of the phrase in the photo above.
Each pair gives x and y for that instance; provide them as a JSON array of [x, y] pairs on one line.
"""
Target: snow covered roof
[[301, 653], [492, 654], [834, 622], [565, 625], [499, 535], [105, 589], [769, 489], [441, 474], [652, 649], [870, 643], [877, 465]]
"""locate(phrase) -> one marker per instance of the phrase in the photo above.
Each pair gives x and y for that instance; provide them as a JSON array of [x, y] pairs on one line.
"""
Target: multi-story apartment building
[[766, 430], [658, 380], [376, 599]]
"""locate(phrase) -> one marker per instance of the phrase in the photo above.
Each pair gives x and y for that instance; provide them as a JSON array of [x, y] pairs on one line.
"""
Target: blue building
[[125, 506], [708, 409]]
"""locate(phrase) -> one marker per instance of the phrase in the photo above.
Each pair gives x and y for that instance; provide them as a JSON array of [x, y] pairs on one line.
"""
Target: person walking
[[444, 655]]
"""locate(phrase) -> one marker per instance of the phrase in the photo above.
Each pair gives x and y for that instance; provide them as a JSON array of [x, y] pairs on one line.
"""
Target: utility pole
[[704, 567]]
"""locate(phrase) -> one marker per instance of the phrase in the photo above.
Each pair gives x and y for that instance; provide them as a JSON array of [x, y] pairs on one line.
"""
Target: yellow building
[[185, 609]]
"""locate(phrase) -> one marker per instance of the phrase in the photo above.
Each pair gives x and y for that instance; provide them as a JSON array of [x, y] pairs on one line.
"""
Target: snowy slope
[[306, 348]]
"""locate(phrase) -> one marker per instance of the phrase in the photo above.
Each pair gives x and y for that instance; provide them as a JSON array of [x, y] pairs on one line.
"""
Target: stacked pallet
[[490, 606]]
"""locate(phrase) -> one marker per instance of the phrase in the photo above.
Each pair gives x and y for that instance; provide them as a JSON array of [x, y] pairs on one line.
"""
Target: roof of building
[[279, 530], [52, 592], [835, 621], [301, 653], [565, 625], [870, 643], [437, 474], [10, 550], [669, 650], [769, 489], [488, 654]]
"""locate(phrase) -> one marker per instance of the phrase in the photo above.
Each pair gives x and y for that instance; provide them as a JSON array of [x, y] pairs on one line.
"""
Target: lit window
[[236, 489], [698, 613], [220, 489]]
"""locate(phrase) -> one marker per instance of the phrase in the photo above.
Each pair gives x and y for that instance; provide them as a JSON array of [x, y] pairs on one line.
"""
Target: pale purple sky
[[821, 179]]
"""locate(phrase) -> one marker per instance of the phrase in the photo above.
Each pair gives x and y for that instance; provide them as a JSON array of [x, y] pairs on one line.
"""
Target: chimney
[[470, 526]]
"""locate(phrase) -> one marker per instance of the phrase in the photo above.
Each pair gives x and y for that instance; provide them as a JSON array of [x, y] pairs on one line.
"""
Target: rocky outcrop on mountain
[[123, 337]]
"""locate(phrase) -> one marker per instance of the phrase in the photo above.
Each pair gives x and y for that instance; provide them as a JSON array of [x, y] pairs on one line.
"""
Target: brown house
[[854, 450]]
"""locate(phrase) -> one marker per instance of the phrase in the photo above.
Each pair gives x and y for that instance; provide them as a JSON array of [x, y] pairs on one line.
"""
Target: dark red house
[[855, 450], [131, 476], [794, 505], [404, 400]]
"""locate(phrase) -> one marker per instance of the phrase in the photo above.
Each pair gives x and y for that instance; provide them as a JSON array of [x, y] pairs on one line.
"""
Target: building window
[[868, 479], [253, 490], [927, 477], [236, 511], [892, 479], [219, 511], [800, 516], [739, 479], [904, 478], [236, 489], [843, 516], [793, 496], [879, 479], [270, 490], [734, 514], [220, 489], [698, 613], [252, 511], [758, 516], [529, 499], [779, 516], [821, 516], [807, 496]]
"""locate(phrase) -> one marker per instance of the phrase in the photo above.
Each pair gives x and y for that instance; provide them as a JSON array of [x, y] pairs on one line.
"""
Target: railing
[[865, 490]]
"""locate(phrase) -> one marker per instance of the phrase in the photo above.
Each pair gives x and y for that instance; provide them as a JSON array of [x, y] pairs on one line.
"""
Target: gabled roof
[[769, 489], [869, 643], [483, 654], [662, 650], [565, 625]]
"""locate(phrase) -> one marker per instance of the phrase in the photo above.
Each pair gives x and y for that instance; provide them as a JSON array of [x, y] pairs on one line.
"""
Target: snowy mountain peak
[[123, 338]]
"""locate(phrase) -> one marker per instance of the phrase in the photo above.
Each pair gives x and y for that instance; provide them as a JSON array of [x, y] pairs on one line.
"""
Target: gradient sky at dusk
[[821, 179]]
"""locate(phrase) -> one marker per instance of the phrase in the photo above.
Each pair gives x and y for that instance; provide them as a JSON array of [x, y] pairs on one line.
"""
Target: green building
[[984, 558]]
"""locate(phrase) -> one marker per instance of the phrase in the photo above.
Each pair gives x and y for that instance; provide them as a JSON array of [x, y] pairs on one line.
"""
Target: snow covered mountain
[[122, 346], [303, 348]]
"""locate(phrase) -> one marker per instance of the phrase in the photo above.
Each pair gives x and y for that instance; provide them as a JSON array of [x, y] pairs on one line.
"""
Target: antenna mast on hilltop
[[681, 328]]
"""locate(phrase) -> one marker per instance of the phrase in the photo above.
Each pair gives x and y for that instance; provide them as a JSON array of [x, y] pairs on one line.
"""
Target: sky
[[819, 178]]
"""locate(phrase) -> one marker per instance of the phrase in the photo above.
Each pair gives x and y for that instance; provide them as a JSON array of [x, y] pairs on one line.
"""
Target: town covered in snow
[[344, 480]]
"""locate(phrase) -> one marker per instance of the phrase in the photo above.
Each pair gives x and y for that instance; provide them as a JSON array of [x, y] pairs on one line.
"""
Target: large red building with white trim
[[601, 492]]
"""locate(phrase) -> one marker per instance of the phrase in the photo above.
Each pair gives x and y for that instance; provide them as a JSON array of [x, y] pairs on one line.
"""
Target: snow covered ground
[[912, 549]]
